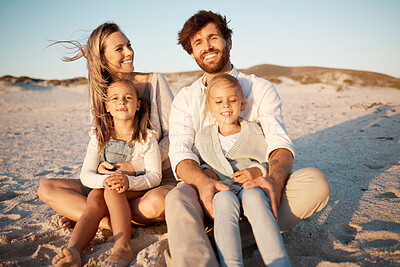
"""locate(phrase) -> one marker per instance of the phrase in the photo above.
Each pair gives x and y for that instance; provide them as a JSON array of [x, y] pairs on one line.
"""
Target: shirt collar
[[233, 72]]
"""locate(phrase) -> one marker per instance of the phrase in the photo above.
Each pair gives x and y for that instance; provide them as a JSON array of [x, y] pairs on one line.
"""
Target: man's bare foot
[[67, 257], [65, 222], [121, 257]]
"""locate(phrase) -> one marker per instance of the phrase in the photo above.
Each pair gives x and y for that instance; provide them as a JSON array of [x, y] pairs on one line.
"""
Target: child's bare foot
[[121, 256], [65, 222], [67, 257]]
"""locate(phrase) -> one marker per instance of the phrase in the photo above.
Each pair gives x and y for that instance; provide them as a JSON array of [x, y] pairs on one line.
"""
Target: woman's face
[[119, 54]]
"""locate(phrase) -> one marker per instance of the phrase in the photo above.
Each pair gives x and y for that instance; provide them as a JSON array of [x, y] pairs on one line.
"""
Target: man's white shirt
[[187, 116]]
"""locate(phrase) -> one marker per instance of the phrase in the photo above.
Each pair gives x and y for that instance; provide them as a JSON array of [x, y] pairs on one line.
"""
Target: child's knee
[[254, 197], [225, 200]]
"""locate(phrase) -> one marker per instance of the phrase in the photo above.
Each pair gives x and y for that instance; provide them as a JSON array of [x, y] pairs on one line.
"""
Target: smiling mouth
[[226, 113], [128, 61], [210, 56]]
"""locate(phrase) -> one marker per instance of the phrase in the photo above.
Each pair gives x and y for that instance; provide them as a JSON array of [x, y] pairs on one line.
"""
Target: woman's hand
[[117, 181], [246, 175], [105, 168], [124, 167]]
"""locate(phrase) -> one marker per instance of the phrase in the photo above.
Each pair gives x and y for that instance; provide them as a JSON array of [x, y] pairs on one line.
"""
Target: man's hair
[[196, 22]]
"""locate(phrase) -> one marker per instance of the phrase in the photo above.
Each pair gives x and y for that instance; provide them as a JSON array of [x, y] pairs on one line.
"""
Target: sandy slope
[[351, 135]]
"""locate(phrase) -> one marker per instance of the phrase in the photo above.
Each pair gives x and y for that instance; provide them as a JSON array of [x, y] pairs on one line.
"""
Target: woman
[[110, 56]]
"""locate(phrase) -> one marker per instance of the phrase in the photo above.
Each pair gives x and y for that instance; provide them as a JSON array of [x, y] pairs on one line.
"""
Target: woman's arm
[[164, 99]]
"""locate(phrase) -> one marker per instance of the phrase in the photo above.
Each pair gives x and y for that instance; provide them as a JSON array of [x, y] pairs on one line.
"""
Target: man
[[293, 197]]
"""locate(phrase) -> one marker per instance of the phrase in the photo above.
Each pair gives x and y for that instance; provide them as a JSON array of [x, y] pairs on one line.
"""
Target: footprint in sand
[[388, 195], [345, 233], [64, 170], [374, 166], [9, 195], [43, 173]]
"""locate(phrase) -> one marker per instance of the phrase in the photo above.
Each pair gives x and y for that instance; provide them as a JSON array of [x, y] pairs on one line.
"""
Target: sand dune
[[351, 134]]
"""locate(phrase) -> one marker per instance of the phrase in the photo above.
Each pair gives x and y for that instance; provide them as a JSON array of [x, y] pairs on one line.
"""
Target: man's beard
[[214, 68]]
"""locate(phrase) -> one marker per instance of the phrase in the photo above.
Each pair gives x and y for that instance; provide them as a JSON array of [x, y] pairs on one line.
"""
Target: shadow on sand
[[352, 155]]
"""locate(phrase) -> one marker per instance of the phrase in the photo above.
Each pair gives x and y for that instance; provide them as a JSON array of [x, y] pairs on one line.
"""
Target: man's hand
[[272, 188], [246, 175], [207, 189], [280, 166], [204, 181], [117, 181], [211, 174]]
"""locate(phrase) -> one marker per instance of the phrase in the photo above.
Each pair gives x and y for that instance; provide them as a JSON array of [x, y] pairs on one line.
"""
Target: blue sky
[[350, 34]]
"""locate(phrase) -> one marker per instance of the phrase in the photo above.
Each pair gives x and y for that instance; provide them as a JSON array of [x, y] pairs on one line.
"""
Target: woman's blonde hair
[[99, 73], [224, 79], [141, 121]]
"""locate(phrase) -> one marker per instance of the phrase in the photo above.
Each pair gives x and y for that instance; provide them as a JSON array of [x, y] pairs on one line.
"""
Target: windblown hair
[[99, 74], [105, 121], [196, 22], [98, 71], [223, 80]]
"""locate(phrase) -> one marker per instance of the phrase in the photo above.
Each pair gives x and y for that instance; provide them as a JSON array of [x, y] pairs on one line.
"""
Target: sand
[[350, 133]]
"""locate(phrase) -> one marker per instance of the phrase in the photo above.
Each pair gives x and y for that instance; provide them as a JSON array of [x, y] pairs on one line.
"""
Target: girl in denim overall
[[122, 135]]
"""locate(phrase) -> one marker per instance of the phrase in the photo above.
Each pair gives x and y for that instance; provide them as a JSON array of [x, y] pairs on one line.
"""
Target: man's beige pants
[[306, 192]]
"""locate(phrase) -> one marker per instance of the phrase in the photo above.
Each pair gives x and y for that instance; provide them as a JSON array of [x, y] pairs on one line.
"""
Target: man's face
[[210, 49]]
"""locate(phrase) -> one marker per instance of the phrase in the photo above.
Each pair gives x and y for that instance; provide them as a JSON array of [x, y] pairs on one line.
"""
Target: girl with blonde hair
[[235, 151], [110, 57]]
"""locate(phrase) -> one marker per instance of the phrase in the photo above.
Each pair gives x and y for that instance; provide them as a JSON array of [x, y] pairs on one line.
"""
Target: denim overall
[[117, 151]]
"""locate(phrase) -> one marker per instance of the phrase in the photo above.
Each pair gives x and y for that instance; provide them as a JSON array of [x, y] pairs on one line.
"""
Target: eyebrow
[[118, 46], [122, 44], [119, 94], [229, 96]]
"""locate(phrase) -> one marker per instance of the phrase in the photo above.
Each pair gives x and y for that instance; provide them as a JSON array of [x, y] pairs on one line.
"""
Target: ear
[[229, 44], [138, 104], [107, 109], [242, 105]]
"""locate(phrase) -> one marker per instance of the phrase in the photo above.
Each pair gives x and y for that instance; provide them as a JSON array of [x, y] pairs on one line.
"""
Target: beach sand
[[350, 133]]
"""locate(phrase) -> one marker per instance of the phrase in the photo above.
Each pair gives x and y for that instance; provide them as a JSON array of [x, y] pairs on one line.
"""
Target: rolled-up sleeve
[[271, 119], [181, 132]]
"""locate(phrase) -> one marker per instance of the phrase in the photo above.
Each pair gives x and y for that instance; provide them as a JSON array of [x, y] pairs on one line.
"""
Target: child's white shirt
[[227, 142], [148, 152]]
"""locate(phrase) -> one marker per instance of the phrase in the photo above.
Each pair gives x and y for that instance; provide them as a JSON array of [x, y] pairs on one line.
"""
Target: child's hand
[[117, 181], [105, 168], [246, 175]]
